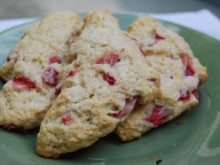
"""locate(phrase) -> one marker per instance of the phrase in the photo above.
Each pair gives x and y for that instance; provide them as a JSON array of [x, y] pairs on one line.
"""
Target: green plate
[[191, 139]]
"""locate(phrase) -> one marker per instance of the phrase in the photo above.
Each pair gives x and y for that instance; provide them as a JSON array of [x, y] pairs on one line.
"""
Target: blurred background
[[34, 8]]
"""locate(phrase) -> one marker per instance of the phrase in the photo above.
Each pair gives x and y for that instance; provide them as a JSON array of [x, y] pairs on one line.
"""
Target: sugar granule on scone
[[37, 63], [180, 74], [107, 77]]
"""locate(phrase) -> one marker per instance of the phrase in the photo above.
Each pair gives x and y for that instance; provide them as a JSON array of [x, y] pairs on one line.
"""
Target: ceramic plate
[[191, 139]]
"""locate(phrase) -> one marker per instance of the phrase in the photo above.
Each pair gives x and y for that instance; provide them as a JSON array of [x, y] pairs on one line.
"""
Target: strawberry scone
[[180, 74], [106, 78], [37, 61]]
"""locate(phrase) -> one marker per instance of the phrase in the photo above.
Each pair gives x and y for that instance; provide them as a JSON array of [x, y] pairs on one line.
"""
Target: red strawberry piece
[[109, 58], [58, 90], [23, 83], [73, 72], [153, 79], [196, 93], [50, 77], [13, 126], [184, 95], [158, 115], [13, 56], [110, 79], [67, 119], [158, 37], [121, 113], [55, 59], [189, 71], [187, 62], [129, 106]]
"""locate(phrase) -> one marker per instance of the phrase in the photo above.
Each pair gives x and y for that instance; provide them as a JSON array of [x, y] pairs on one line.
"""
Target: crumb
[[153, 158], [158, 162]]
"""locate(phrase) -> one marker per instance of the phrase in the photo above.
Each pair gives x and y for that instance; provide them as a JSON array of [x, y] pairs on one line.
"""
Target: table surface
[[33, 8]]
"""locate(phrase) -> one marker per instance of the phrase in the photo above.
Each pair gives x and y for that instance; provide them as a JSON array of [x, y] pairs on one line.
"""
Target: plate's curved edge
[[17, 26]]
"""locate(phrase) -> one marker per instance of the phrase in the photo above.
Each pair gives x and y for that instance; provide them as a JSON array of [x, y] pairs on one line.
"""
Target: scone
[[35, 70], [106, 78], [180, 74]]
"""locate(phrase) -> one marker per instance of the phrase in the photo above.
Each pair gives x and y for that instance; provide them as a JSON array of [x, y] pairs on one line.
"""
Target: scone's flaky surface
[[6, 70], [180, 74], [35, 66], [106, 78]]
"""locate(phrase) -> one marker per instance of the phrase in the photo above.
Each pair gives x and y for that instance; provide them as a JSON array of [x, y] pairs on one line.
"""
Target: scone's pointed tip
[[99, 16]]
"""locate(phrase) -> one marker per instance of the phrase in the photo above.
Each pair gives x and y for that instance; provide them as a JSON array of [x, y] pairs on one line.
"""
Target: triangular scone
[[37, 70], [108, 75], [180, 74]]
